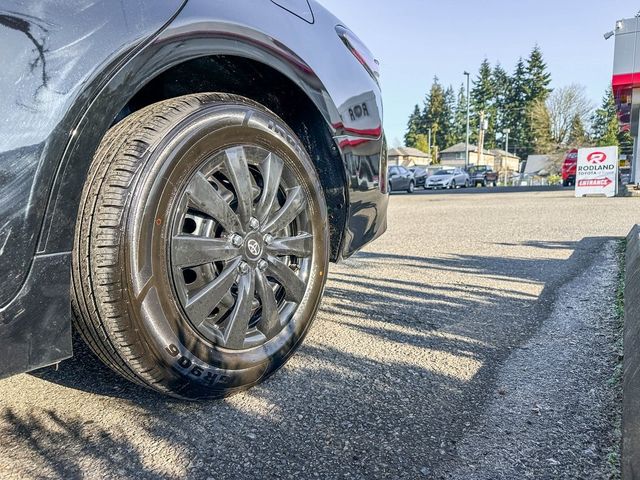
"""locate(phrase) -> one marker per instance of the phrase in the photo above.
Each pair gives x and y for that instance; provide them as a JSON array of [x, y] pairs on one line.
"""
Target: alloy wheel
[[241, 247]]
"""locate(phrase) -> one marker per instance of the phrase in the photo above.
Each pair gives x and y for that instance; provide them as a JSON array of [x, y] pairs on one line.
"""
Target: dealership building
[[626, 83]]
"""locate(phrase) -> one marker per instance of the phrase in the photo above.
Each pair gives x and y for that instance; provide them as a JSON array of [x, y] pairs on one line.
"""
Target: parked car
[[448, 178], [401, 179], [482, 175], [570, 168], [179, 182], [420, 175]]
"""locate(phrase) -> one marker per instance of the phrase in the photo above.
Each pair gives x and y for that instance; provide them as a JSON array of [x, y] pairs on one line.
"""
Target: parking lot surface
[[420, 336]]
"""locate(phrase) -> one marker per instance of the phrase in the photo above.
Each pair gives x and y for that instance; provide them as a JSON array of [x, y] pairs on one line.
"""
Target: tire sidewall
[[189, 357]]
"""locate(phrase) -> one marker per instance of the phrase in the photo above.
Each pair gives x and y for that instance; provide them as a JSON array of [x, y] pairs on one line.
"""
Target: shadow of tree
[[388, 381]]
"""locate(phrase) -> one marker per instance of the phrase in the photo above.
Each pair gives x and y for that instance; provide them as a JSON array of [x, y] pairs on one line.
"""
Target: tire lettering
[[173, 350], [208, 377]]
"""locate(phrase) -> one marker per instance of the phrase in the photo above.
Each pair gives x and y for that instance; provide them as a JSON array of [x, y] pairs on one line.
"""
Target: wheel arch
[[175, 66]]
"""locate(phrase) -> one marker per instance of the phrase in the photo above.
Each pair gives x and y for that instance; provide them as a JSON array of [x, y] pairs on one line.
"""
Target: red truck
[[569, 168]]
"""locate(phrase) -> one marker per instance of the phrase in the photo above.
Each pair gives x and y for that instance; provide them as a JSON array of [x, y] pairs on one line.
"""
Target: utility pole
[[466, 157], [507, 131], [430, 142], [481, 139]]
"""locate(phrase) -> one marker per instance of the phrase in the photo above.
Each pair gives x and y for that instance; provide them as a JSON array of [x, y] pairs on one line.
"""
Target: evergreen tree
[[448, 119], [501, 88], [482, 99], [434, 115], [516, 109], [577, 133], [606, 129], [413, 128], [460, 117], [537, 89], [538, 78]]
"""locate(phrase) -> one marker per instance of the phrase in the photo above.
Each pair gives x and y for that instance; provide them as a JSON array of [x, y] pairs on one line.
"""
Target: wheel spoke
[[293, 286], [271, 174], [240, 177], [238, 323], [206, 199], [202, 304], [269, 323], [190, 251], [289, 211], [299, 246]]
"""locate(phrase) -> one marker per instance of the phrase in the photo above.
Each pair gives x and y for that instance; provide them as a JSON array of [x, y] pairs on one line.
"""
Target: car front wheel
[[411, 188], [201, 247]]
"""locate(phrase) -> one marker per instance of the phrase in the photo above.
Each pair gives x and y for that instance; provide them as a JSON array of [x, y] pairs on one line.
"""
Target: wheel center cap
[[253, 248]]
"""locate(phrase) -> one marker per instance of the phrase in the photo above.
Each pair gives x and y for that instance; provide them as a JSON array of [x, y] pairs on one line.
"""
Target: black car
[[401, 179], [175, 178], [420, 175]]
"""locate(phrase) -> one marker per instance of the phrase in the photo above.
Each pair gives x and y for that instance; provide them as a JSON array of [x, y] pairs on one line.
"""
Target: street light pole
[[507, 131], [429, 141], [466, 156]]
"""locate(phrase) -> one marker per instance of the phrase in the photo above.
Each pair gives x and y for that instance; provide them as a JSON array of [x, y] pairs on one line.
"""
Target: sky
[[417, 39]]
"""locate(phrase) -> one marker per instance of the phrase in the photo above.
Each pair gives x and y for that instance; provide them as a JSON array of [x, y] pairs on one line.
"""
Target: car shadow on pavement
[[392, 374]]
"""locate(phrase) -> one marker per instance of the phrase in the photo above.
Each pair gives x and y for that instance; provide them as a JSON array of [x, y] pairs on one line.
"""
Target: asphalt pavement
[[455, 318]]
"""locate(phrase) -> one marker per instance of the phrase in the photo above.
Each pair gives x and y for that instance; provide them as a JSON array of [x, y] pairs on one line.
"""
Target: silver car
[[448, 178]]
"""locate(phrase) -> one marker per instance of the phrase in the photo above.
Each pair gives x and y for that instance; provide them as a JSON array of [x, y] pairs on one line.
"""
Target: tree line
[[539, 119]]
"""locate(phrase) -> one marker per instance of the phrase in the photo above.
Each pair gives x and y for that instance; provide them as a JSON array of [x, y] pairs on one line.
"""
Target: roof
[[538, 164], [460, 148], [503, 153], [408, 152]]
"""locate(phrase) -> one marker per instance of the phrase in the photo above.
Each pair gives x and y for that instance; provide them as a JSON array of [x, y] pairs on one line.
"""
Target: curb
[[631, 375]]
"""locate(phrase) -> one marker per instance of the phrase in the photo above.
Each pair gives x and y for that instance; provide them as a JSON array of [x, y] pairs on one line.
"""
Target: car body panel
[[570, 167], [399, 178], [82, 78]]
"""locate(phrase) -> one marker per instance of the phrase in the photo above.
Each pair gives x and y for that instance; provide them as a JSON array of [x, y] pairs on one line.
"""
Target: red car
[[569, 168]]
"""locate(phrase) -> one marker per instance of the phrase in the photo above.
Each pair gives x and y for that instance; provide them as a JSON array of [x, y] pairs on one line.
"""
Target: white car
[[448, 178]]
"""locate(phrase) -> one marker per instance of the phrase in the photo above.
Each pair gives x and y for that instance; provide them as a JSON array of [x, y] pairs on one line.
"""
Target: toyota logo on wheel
[[597, 157], [254, 247]]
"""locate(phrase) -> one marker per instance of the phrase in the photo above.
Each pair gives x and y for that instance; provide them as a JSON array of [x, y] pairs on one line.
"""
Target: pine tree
[[577, 133], [448, 119], [606, 130], [537, 89], [413, 126], [501, 88], [460, 117], [434, 115], [482, 99], [538, 78], [516, 110]]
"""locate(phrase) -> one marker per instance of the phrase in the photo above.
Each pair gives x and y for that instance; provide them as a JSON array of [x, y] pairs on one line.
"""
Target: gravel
[[430, 343]]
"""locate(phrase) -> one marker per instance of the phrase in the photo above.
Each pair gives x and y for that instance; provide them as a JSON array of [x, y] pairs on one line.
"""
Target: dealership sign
[[597, 172]]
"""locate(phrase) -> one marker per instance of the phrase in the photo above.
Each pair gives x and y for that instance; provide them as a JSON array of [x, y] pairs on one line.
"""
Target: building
[[408, 157], [499, 160], [626, 84]]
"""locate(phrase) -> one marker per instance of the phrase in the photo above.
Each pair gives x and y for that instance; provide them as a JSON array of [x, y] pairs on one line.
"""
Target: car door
[[406, 177], [394, 179]]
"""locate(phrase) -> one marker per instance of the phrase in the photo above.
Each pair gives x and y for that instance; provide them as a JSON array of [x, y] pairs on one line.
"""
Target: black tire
[[453, 185], [390, 187], [484, 184], [411, 188], [124, 284]]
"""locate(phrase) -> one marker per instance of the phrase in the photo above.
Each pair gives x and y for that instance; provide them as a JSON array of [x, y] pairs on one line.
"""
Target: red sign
[[595, 182], [597, 157]]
